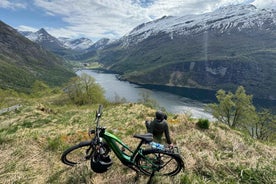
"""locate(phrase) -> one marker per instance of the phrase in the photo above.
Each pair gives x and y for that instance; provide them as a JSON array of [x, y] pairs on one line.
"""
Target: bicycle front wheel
[[77, 154], [160, 162]]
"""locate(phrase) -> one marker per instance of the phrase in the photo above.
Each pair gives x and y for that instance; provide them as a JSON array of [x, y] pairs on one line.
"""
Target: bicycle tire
[[77, 154], [160, 162]]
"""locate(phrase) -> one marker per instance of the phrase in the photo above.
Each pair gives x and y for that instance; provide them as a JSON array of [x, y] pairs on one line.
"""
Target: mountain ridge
[[221, 19], [45, 39]]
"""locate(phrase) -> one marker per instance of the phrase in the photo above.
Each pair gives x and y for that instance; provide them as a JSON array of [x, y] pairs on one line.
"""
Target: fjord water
[[132, 93]]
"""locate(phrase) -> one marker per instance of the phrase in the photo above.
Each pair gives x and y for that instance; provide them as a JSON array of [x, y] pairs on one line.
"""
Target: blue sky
[[96, 19]]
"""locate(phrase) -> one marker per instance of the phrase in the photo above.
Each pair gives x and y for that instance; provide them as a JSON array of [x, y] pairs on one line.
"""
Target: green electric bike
[[159, 160]]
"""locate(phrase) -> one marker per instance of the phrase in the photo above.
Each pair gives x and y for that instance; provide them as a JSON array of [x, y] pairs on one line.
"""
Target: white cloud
[[114, 18], [97, 18], [26, 28], [11, 5], [265, 4]]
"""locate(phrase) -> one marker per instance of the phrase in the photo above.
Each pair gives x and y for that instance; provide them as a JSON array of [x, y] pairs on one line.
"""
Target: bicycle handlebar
[[98, 115], [99, 111]]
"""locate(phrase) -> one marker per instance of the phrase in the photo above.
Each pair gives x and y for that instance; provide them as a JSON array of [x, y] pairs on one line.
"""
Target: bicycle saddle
[[148, 137]]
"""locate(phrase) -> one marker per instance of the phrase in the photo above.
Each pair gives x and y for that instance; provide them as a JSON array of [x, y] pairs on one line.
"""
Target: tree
[[84, 90], [265, 126], [235, 110]]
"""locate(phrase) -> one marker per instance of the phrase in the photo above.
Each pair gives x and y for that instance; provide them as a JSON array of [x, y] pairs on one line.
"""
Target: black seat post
[[137, 149], [145, 138]]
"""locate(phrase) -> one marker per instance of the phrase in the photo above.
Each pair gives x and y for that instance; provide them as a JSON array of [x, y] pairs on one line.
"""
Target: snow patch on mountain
[[76, 44], [38, 36], [43, 36], [222, 19], [101, 43]]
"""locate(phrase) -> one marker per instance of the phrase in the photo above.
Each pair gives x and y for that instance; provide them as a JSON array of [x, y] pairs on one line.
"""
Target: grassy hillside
[[22, 62], [33, 138]]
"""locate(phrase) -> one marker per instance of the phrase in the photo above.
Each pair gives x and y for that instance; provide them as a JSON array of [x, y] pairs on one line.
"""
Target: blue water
[[132, 93]]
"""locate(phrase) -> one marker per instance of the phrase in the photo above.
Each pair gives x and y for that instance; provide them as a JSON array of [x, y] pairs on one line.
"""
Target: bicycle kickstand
[[151, 176]]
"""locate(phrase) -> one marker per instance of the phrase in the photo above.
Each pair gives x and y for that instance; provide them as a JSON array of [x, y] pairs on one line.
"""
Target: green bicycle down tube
[[111, 141]]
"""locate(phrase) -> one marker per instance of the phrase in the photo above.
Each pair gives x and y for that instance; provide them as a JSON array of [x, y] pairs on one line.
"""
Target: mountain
[[76, 44], [65, 47], [232, 46], [43, 38], [100, 44], [91, 51], [230, 19], [23, 61]]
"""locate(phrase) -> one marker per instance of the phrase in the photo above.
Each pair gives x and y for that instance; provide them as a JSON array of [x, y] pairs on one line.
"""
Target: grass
[[32, 141]]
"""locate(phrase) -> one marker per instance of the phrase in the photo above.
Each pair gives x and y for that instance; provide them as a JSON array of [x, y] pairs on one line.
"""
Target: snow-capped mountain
[[225, 19], [229, 47], [45, 39], [42, 36], [92, 50], [99, 44], [76, 44]]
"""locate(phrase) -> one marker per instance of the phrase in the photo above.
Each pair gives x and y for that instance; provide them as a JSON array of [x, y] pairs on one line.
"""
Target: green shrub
[[203, 123]]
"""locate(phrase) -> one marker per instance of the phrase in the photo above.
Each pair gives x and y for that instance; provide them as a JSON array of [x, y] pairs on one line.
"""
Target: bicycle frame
[[113, 141]]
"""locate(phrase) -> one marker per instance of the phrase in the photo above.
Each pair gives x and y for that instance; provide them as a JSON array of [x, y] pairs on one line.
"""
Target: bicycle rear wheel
[[77, 154], [160, 162]]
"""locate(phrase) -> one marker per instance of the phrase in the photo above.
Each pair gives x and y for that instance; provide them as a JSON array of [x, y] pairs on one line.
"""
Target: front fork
[[88, 153]]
